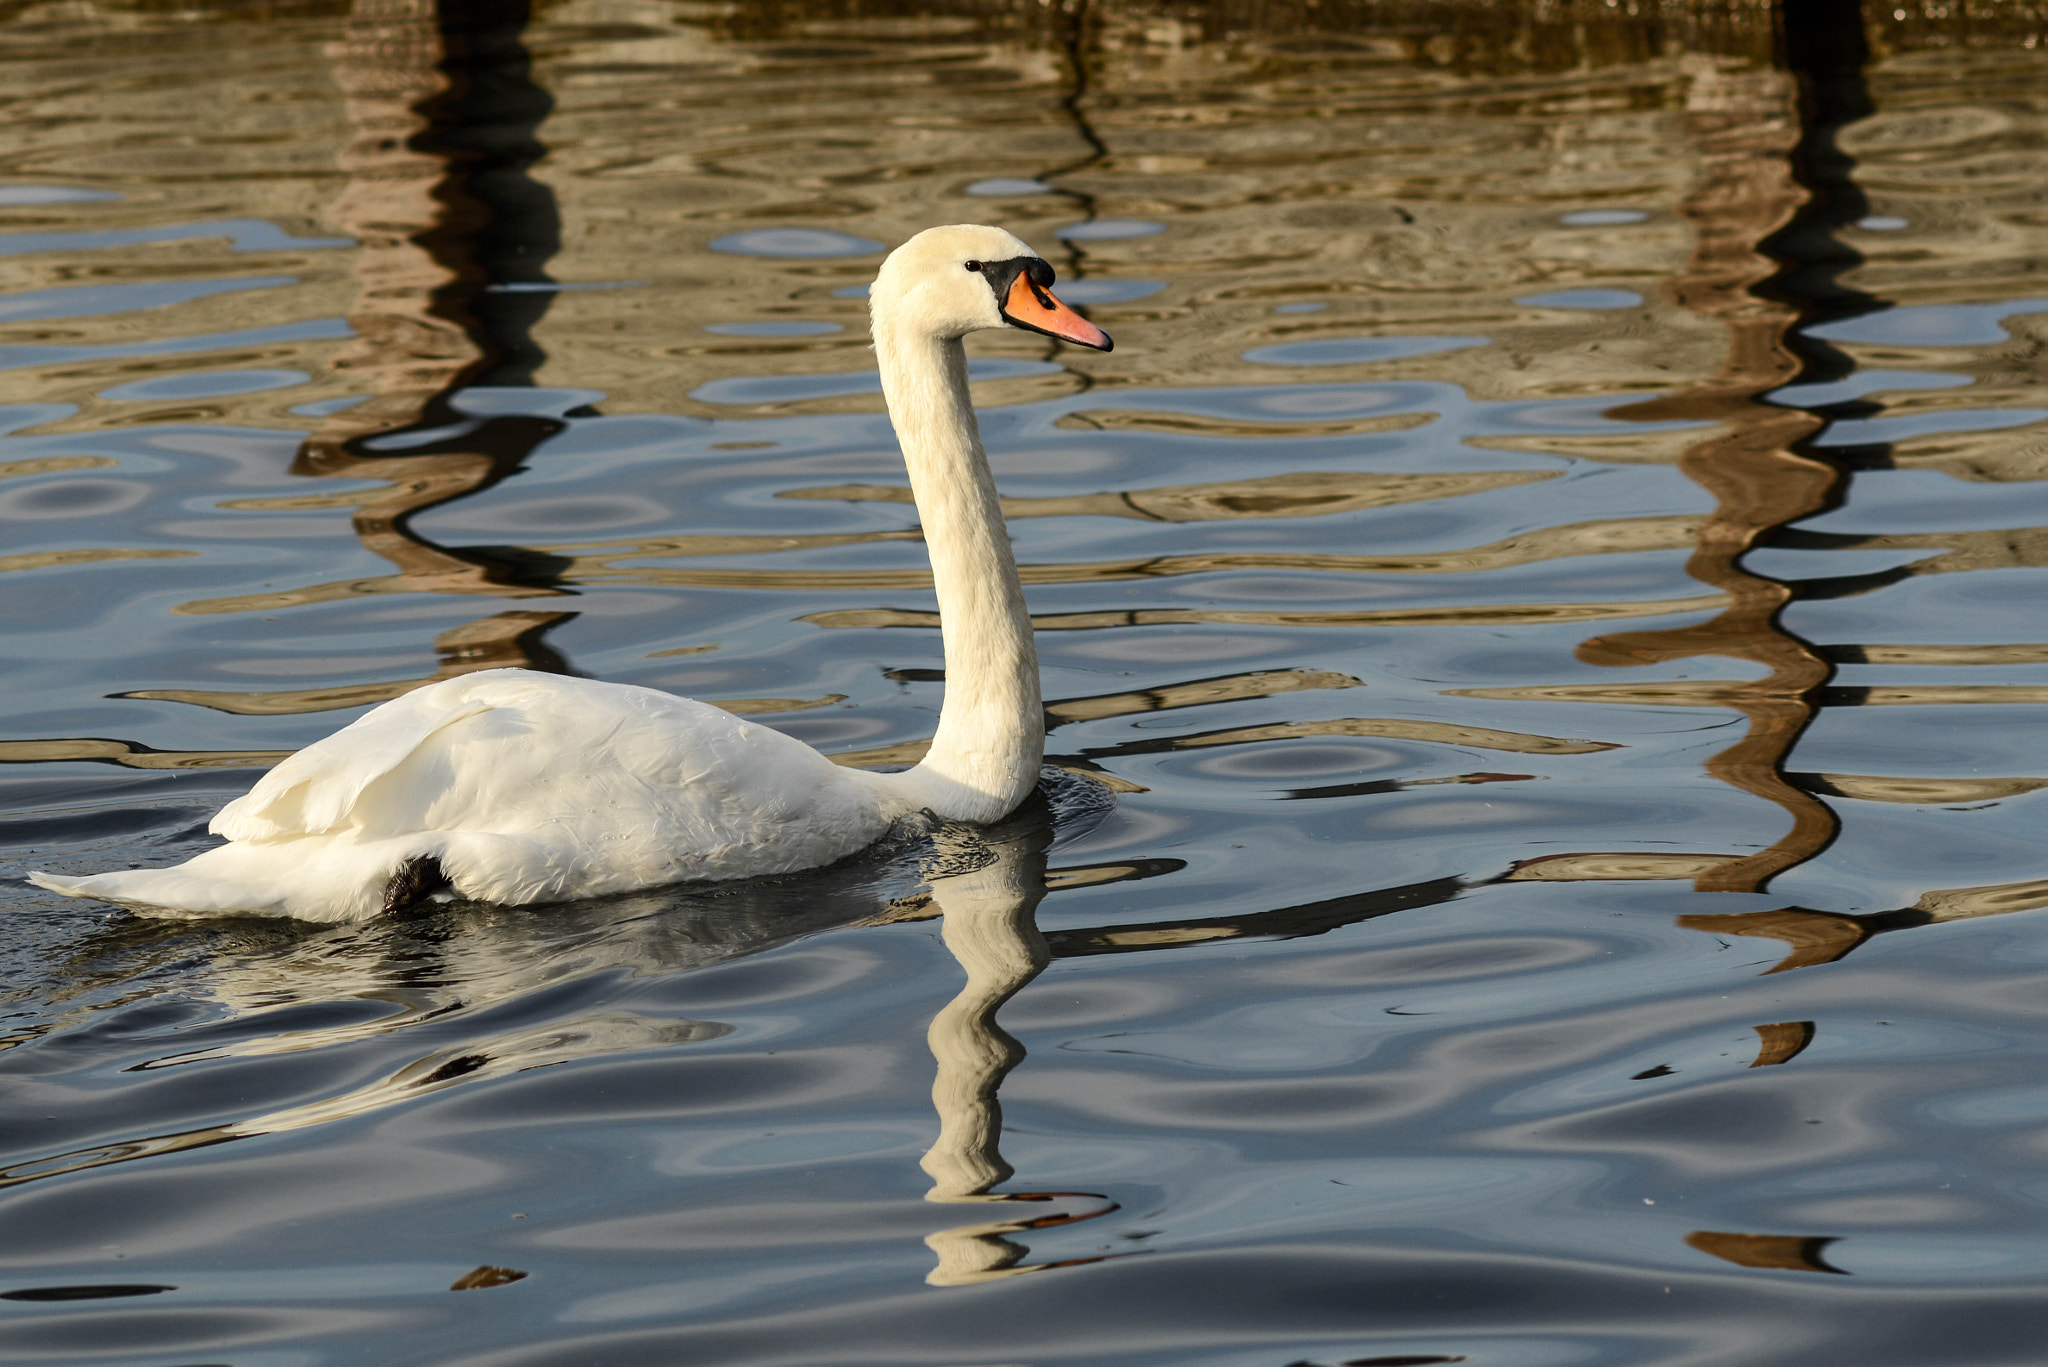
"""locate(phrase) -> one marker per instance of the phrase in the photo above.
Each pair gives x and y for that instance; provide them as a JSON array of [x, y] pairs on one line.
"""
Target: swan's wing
[[598, 787], [315, 790]]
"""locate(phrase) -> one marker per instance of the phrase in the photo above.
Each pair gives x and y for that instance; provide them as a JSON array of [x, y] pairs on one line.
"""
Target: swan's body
[[512, 786]]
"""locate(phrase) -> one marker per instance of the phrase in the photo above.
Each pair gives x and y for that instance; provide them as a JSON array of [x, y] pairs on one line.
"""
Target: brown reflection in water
[[420, 90], [507, 639], [131, 755], [1303, 494], [1286, 923], [559, 563], [1959, 653], [1485, 614], [437, 197], [1235, 428], [1397, 785], [1822, 937], [1390, 728], [1816, 937], [413, 341], [1791, 1252], [42, 560], [573, 563], [1632, 866], [1916, 790], [1477, 37], [1075, 35], [1258, 683], [1089, 761], [1781, 1042], [1721, 693], [1746, 125]]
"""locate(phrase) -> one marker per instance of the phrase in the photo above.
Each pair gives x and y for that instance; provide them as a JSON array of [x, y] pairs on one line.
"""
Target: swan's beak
[[1028, 306]]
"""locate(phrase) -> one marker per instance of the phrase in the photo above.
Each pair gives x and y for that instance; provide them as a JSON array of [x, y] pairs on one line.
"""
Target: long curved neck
[[991, 737]]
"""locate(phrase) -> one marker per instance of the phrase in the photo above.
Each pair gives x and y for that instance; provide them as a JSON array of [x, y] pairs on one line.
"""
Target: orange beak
[[1030, 307]]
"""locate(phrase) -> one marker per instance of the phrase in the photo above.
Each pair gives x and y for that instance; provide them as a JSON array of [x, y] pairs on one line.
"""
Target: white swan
[[512, 786]]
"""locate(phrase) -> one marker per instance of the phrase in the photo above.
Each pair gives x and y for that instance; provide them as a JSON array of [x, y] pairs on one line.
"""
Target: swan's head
[[948, 282]]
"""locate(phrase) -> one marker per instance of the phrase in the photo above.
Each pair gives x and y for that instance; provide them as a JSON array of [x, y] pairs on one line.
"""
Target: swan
[[517, 787]]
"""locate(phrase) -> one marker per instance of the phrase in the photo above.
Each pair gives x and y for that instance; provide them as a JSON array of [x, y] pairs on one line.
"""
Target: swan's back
[[512, 751]]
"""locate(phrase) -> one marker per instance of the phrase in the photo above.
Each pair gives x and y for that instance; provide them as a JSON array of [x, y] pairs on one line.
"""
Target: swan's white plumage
[[316, 789], [527, 787]]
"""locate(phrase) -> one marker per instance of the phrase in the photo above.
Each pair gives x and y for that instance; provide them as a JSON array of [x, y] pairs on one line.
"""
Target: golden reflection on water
[[413, 343], [1620, 536], [1303, 494], [1822, 937], [1468, 615], [1745, 125], [409, 201], [132, 756], [505, 639]]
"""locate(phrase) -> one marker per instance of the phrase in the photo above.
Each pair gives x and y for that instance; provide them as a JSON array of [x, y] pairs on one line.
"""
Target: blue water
[[1541, 622]]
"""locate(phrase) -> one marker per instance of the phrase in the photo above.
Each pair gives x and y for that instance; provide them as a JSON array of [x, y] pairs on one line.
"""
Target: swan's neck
[[991, 735]]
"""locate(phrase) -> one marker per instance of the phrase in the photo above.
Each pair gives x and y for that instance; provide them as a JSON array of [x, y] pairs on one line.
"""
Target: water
[[1541, 612]]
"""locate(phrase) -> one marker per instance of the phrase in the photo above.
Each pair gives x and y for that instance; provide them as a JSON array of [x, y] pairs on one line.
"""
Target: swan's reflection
[[990, 926], [386, 1014], [406, 1008], [449, 998]]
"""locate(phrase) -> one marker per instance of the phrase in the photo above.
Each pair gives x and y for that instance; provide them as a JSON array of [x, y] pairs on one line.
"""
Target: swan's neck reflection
[[990, 928]]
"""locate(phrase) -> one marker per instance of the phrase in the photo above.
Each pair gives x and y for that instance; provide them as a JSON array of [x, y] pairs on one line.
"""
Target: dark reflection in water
[[1546, 558], [1752, 466], [455, 237]]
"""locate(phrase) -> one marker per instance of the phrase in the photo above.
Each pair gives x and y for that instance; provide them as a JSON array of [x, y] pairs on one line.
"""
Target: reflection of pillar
[[990, 928], [1745, 124], [439, 199], [408, 349]]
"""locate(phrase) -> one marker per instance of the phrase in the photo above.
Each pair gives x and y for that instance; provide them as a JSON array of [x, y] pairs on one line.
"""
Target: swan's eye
[[974, 266]]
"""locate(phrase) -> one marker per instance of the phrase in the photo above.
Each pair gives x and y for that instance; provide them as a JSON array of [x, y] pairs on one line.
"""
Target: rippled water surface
[[1542, 611]]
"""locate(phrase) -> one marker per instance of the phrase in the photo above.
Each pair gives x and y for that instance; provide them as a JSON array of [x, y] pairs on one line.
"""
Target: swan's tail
[[309, 879], [172, 892]]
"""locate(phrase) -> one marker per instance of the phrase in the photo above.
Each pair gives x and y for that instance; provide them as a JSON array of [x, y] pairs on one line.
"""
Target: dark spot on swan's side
[[419, 876]]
